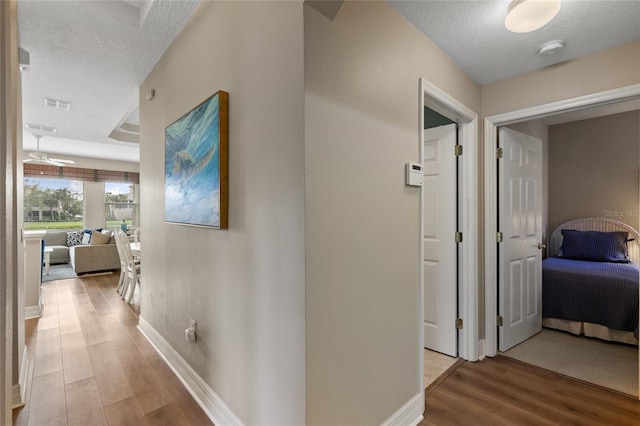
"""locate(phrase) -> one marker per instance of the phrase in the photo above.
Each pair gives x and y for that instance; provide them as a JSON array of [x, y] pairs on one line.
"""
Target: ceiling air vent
[[40, 127], [57, 104]]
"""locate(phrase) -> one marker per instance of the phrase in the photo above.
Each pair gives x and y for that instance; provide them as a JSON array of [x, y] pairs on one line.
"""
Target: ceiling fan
[[41, 157]]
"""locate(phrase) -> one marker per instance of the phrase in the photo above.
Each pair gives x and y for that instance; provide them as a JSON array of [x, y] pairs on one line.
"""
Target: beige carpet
[[611, 365]]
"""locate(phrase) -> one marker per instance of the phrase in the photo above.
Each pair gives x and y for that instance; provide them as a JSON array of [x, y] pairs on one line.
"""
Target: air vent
[[40, 127], [57, 104]]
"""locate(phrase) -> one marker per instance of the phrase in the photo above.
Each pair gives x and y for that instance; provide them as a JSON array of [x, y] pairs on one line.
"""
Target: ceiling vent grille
[[57, 104], [40, 127]]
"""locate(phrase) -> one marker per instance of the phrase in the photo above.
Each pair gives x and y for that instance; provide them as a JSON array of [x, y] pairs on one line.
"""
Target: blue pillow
[[595, 246]]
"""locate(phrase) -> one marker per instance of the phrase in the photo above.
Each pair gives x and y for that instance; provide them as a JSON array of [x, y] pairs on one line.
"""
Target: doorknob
[[541, 246]]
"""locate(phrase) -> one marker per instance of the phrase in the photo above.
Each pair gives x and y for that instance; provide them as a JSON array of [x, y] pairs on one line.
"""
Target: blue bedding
[[597, 292]]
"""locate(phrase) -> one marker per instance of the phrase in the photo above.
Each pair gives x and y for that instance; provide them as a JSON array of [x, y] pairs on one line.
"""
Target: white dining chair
[[132, 273], [123, 280]]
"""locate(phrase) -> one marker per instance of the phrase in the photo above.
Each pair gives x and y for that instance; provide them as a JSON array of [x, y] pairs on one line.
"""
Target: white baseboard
[[209, 401], [410, 414], [24, 370], [16, 399], [32, 312]]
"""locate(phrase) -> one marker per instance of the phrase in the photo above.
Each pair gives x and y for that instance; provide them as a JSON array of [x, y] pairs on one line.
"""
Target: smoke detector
[[551, 48]]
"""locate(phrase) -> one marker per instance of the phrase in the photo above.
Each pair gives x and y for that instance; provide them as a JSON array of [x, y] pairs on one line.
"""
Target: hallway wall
[[605, 70], [362, 125], [244, 286]]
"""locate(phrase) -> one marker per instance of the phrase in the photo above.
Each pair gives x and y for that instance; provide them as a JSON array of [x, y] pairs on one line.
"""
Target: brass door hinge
[[499, 153], [458, 150], [500, 321], [458, 237], [499, 237], [459, 323]]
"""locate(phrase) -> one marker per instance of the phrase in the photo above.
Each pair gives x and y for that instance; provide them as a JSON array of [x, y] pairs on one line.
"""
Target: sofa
[[83, 254]]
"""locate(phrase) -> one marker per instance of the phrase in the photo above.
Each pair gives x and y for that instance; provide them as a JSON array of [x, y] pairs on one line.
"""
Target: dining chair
[[132, 273], [123, 280]]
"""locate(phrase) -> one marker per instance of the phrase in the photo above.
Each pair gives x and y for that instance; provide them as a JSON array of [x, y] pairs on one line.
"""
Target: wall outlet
[[190, 333]]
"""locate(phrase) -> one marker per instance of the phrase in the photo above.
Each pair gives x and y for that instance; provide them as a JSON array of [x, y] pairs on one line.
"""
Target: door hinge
[[459, 323], [499, 321], [499, 236], [458, 150], [458, 237], [499, 153]]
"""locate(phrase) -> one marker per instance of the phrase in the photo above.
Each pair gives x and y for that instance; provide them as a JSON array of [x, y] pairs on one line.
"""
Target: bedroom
[[591, 170]]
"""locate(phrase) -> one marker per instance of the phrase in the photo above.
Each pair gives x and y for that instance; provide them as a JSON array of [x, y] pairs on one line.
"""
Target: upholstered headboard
[[596, 224]]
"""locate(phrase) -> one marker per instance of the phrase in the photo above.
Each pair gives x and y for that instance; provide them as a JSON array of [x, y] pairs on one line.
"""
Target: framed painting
[[196, 165]]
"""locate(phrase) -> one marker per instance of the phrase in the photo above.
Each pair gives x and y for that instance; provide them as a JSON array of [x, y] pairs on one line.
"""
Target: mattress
[[596, 292]]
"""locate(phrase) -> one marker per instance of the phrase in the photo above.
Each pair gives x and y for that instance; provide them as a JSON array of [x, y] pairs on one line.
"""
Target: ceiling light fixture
[[524, 16]]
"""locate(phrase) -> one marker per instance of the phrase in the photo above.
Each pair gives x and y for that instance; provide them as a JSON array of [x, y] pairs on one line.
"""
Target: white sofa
[[83, 257]]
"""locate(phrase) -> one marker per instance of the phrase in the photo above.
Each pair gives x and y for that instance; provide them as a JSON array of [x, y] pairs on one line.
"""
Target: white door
[[439, 245], [520, 221]]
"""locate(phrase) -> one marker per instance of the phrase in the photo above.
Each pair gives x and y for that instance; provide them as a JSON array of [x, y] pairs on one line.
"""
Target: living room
[[71, 205]]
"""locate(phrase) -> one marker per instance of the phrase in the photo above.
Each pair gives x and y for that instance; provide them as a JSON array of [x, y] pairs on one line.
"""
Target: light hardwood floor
[[499, 391], [90, 365]]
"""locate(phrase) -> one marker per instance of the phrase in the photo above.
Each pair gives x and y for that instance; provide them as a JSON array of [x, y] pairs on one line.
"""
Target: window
[[52, 203], [121, 204]]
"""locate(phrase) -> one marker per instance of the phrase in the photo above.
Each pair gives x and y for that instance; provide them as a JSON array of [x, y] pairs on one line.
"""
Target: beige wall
[[605, 70], [593, 169], [362, 125], [245, 285]]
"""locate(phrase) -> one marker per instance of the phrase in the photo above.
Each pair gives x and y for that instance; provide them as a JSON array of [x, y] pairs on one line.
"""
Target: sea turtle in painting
[[185, 167]]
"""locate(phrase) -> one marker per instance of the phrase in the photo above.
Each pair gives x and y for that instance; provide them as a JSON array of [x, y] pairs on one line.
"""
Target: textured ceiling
[[473, 34], [94, 54]]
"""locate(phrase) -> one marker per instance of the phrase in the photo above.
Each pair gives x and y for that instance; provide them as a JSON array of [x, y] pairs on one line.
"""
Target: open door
[[439, 264], [520, 252]]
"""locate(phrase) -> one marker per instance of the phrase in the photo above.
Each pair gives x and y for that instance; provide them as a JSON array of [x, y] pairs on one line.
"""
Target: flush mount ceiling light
[[524, 16]]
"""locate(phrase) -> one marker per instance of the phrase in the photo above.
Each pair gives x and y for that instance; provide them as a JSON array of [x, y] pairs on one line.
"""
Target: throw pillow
[[74, 238], [595, 246], [86, 237], [98, 238]]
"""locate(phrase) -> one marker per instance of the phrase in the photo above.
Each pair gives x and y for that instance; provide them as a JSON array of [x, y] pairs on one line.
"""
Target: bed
[[590, 279]]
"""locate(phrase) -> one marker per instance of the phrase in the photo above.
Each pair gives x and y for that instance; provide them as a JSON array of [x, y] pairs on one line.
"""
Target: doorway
[[437, 100], [491, 210]]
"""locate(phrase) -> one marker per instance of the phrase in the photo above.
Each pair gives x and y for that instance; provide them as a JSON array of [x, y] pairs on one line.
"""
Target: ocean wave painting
[[196, 165]]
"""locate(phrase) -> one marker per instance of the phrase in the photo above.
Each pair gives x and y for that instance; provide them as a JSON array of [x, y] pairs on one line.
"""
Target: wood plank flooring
[[91, 366], [500, 391]]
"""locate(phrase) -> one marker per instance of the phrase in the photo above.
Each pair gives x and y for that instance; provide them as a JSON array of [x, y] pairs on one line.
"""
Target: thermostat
[[413, 174]]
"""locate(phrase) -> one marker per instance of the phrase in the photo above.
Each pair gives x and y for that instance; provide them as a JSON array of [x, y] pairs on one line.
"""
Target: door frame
[[434, 98], [491, 125]]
